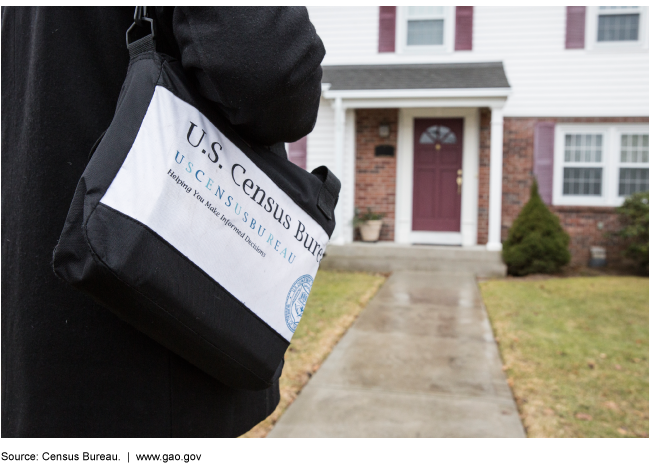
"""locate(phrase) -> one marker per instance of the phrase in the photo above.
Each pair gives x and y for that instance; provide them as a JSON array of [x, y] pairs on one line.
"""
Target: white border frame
[[404, 179], [449, 31], [611, 162], [591, 32]]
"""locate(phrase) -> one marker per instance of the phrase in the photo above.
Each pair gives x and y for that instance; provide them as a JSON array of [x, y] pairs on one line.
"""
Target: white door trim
[[404, 182]]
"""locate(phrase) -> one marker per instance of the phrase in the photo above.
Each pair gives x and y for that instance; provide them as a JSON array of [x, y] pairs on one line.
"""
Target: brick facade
[[375, 176], [483, 176], [375, 180], [587, 226]]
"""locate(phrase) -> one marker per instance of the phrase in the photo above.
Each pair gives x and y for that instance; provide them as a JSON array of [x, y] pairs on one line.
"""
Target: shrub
[[536, 242], [633, 215]]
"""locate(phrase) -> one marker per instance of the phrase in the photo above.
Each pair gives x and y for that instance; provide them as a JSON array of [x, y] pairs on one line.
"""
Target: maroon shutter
[[543, 165], [387, 28], [298, 152], [464, 26], [575, 27]]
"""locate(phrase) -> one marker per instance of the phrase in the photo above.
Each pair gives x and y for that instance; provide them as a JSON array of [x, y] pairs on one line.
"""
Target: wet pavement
[[420, 361]]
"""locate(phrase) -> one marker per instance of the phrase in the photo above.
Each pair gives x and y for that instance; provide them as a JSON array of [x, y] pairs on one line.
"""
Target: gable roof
[[429, 76]]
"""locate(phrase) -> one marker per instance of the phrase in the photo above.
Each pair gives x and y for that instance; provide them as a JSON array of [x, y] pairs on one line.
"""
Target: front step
[[385, 257]]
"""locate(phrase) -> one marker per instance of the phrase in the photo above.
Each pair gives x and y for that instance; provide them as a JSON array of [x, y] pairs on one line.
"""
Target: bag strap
[[328, 196], [146, 43]]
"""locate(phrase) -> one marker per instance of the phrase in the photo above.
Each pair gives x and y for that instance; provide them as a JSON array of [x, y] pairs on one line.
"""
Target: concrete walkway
[[420, 361]]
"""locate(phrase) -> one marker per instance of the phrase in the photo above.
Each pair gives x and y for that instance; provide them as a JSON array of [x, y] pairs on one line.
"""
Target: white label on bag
[[192, 186]]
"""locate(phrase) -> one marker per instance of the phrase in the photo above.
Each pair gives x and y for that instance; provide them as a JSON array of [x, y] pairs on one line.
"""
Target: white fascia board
[[413, 93], [572, 112], [431, 102]]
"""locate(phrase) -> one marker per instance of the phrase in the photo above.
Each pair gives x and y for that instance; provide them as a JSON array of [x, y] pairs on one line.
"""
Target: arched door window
[[438, 135]]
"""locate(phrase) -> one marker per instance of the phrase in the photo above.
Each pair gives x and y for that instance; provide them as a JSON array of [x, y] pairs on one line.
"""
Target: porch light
[[384, 130]]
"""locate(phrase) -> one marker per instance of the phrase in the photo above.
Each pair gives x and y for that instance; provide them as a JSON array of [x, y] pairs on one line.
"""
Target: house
[[440, 117]]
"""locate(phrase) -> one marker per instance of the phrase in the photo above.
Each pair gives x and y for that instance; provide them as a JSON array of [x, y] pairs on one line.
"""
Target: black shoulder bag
[[203, 242]]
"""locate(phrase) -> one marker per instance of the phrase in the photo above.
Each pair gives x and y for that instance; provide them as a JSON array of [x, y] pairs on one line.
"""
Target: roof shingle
[[430, 76]]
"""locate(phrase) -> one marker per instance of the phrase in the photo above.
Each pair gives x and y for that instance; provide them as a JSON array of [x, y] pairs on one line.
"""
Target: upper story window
[[425, 29], [617, 28], [618, 23], [425, 25], [599, 165]]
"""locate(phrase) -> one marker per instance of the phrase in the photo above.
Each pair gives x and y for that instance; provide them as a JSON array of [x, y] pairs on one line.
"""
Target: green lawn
[[335, 301], [575, 352]]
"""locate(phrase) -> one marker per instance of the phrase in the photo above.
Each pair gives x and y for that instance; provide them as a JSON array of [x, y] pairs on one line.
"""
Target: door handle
[[459, 179]]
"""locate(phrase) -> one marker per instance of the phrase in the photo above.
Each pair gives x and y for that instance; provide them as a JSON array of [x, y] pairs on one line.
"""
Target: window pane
[[426, 11], [625, 156], [632, 180], [438, 134], [583, 147], [634, 148], [598, 155], [582, 181], [618, 27], [427, 32]]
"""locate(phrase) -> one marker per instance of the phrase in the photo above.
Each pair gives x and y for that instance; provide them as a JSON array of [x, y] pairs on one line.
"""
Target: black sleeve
[[261, 66]]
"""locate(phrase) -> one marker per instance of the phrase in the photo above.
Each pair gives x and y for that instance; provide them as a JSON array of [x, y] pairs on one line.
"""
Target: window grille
[[618, 24], [583, 148], [583, 181], [633, 178]]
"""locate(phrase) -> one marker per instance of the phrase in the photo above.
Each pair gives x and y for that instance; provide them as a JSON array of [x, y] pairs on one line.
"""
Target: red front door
[[437, 168]]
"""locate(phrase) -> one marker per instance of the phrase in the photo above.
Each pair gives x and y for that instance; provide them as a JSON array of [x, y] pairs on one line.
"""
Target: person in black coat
[[69, 366]]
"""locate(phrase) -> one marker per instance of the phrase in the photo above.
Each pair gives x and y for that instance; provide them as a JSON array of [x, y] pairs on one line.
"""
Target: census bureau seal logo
[[296, 301]]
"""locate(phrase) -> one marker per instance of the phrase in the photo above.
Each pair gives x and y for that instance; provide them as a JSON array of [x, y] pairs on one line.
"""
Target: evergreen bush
[[536, 242], [634, 220]]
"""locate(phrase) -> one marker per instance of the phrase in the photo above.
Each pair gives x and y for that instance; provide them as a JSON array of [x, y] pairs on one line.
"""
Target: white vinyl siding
[[320, 142], [546, 78], [321, 151]]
